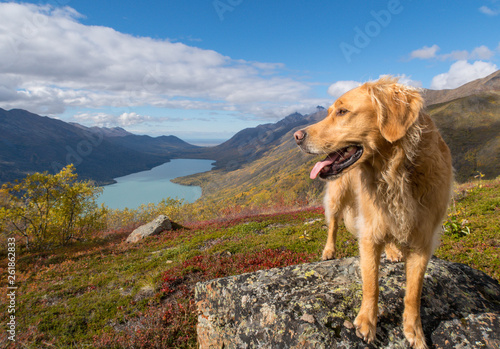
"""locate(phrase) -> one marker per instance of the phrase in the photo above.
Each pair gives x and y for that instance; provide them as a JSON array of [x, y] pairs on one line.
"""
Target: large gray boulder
[[161, 223], [314, 306]]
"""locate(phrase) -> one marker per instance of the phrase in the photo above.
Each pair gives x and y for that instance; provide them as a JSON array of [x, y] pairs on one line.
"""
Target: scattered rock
[[161, 252], [155, 227], [147, 291], [125, 292], [278, 225], [207, 244], [314, 306], [312, 221]]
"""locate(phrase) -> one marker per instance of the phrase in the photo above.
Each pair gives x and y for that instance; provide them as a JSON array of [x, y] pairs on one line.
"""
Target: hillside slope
[[250, 144], [278, 169], [471, 128]]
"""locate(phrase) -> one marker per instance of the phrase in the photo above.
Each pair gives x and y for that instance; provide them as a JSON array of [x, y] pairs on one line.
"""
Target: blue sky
[[205, 69]]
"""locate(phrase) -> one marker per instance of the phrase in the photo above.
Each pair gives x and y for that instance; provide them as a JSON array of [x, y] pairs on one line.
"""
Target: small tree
[[50, 210]]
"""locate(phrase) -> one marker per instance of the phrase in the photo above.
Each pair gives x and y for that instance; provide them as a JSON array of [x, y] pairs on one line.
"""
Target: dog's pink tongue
[[319, 166]]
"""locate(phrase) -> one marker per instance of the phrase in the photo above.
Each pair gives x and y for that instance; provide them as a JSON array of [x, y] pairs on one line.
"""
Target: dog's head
[[360, 125]]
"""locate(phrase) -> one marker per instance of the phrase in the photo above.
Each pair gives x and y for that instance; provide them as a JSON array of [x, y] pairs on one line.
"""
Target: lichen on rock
[[314, 305]]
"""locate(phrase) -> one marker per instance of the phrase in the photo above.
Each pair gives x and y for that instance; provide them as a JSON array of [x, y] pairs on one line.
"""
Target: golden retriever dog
[[389, 177]]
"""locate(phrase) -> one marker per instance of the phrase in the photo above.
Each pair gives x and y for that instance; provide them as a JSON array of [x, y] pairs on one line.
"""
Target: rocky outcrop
[[314, 306], [161, 223]]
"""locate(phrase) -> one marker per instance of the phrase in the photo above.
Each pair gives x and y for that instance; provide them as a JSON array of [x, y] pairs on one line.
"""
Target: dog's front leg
[[366, 321], [329, 250], [416, 264]]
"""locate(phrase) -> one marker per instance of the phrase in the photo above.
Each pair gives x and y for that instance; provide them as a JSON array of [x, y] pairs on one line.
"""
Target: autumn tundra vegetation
[[79, 284]]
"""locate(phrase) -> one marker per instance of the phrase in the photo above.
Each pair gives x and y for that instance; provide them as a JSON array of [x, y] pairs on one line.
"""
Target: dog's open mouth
[[337, 162]]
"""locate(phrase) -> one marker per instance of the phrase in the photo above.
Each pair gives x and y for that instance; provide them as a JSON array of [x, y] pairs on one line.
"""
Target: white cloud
[[304, 107], [481, 52], [425, 52], [407, 80], [50, 61], [457, 55], [127, 119], [488, 11], [110, 120], [462, 72], [338, 88]]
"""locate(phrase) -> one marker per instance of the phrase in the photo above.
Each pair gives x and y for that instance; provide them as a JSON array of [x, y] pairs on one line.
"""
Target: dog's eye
[[341, 112]]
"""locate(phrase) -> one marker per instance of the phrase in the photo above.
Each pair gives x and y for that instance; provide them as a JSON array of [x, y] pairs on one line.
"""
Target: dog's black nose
[[299, 136]]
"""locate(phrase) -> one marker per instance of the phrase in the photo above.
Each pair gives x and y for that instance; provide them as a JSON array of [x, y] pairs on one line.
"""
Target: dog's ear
[[397, 108]]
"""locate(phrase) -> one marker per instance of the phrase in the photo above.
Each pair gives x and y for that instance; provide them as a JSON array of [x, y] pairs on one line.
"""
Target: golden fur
[[394, 196]]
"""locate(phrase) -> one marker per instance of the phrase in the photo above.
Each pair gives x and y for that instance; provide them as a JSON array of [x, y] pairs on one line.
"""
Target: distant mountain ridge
[[32, 143], [251, 143], [105, 131]]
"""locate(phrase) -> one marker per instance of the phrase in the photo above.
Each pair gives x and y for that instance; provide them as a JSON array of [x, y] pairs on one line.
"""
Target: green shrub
[[50, 210], [455, 227]]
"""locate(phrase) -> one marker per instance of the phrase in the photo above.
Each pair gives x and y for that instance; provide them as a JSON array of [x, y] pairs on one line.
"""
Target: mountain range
[[261, 157], [32, 143]]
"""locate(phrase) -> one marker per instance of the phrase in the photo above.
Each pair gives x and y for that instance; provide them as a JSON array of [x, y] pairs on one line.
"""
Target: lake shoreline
[[151, 186]]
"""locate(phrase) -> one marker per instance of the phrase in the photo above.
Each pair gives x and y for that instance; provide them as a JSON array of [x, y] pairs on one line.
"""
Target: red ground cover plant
[[171, 323], [224, 221], [220, 265]]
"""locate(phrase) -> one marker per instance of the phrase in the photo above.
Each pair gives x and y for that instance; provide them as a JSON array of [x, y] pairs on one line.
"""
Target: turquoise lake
[[154, 185]]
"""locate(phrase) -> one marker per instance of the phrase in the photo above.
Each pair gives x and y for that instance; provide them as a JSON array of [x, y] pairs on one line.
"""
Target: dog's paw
[[365, 328], [328, 254], [413, 331], [393, 254]]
